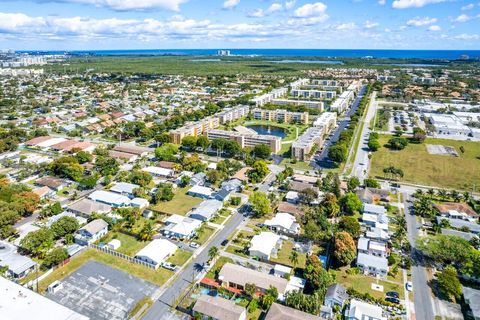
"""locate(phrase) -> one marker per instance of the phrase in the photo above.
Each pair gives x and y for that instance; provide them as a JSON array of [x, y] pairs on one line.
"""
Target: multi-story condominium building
[[324, 82], [319, 105], [200, 127], [299, 83], [315, 94], [302, 149], [280, 115], [268, 97], [247, 139], [327, 120], [346, 98]]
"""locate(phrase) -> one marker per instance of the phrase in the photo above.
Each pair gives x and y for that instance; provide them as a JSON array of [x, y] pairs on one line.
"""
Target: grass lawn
[[203, 234], [129, 245], [218, 219], [238, 250], [158, 277], [32, 275], [283, 256], [217, 266], [363, 284], [299, 165], [180, 257], [427, 169], [180, 204]]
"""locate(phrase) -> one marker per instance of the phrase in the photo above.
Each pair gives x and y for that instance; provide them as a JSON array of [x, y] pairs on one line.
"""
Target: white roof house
[[19, 302], [201, 192], [264, 245], [283, 222], [373, 265], [206, 210], [50, 142], [139, 203], [374, 209], [124, 188], [110, 198], [156, 252], [159, 172], [360, 310], [372, 247], [184, 229]]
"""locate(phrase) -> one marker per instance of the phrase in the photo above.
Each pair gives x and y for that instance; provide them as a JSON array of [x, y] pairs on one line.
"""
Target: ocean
[[324, 53]]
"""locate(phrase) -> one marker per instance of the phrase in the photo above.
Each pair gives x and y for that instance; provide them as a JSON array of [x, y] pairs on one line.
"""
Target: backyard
[[180, 257], [283, 256], [423, 168], [180, 204], [129, 245]]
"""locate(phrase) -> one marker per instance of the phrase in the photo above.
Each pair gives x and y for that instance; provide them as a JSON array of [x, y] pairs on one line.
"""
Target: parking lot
[[101, 292]]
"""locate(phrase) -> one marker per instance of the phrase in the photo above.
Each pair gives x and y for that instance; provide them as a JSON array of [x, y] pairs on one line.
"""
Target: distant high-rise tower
[[223, 52]]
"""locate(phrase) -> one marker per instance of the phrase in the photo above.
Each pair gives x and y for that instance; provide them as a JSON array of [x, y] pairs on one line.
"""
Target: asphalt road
[[321, 161], [422, 296], [160, 310]]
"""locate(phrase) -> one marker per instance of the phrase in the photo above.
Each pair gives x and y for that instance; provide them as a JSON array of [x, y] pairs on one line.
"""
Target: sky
[[210, 24]]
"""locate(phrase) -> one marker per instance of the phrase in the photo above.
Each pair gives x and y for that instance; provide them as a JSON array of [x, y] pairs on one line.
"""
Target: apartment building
[[268, 97], [324, 82], [327, 120], [247, 139], [280, 115], [313, 94], [319, 105], [302, 149], [200, 127]]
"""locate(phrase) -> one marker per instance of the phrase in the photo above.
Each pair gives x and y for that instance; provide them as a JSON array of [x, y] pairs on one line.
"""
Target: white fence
[[123, 256]]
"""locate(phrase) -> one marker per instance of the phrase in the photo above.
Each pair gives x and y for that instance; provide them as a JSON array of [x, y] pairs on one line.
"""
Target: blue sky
[[165, 24]]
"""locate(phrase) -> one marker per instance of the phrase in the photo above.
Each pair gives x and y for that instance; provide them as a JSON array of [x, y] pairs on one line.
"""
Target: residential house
[[461, 224], [181, 227], [140, 203], [206, 210], [124, 188], [377, 234], [283, 223], [44, 192], [372, 265], [200, 192], [198, 179], [374, 209], [233, 185], [265, 245], [159, 172], [372, 247], [373, 195], [86, 207], [292, 197], [53, 183], [217, 308], [18, 266], [223, 195], [235, 277], [156, 252], [336, 296], [132, 149], [91, 232], [281, 312], [290, 208], [359, 310], [455, 210], [112, 199]]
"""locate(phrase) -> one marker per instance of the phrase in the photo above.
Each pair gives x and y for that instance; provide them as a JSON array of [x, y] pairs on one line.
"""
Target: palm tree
[[212, 252], [466, 196], [147, 232], [455, 195], [442, 194], [431, 192], [293, 258], [418, 193]]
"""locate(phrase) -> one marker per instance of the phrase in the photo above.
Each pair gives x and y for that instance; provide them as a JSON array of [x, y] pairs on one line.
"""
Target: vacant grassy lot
[[180, 204], [180, 257], [158, 277], [428, 169], [217, 266], [363, 284], [283, 256], [203, 234], [129, 245]]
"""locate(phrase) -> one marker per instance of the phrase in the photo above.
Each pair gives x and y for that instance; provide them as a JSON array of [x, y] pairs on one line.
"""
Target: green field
[[158, 277], [420, 167], [180, 204], [129, 245], [283, 256], [180, 257]]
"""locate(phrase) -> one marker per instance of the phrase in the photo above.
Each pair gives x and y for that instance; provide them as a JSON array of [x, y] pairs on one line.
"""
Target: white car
[[409, 286], [169, 266], [194, 245]]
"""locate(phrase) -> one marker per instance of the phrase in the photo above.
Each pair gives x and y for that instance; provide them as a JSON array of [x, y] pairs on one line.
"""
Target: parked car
[[392, 300], [169, 266], [194, 245], [224, 243], [409, 286], [393, 294]]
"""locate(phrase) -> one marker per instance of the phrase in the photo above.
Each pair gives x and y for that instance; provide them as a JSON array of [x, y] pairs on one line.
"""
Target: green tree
[[164, 192], [371, 183], [351, 203], [258, 172], [212, 252], [397, 143], [83, 157], [51, 210], [345, 249], [449, 284], [318, 279], [38, 243], [63, 226], [54, 257], [419, 135], [338, 153], [250, 289], [147, 232], [189, 142], [88, 182], [166, 152], [293, 258], [350, 225], [107, 166], [260, 204], [203, 143], [140, 177], [262, 151], [445, 249], [330, 205], [353, 183]]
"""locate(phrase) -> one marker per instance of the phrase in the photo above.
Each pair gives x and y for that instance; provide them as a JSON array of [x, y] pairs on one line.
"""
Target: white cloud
[[274, 8], [123, 5], [468, 7], [346, 26], [462, 18], [14, 22], [289, 4], [311, 10], [382, 2], [434, 28], [371, 24], [466, 36], [419, 22], [230, 4], [258, 13], [404, 4]]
